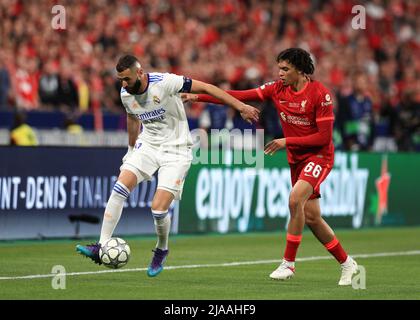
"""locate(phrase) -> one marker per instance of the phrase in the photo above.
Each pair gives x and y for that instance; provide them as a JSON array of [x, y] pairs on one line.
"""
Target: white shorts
[[172, 165]]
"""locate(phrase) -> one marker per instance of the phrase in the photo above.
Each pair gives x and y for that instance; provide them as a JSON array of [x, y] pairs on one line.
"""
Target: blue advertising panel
[[62, 192]]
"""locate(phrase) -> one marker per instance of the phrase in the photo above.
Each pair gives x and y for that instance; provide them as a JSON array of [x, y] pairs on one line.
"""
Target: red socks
[[292, 244], [335, 248]]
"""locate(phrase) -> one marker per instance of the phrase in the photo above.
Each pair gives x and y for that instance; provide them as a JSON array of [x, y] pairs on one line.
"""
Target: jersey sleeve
[[324, 110], [128, 101], [124, 100], [242, 95], [174, 83], [320, 138], [264, 92], [267, 90]]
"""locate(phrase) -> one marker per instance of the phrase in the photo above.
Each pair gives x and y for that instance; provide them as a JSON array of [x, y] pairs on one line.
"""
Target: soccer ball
[[114, 253]]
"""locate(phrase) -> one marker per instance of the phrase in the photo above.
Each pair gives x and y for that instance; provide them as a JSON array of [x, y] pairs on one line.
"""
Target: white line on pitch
[[215, 265]]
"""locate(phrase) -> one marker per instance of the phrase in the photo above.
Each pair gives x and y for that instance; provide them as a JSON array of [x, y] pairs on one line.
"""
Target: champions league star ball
[[114, 253]]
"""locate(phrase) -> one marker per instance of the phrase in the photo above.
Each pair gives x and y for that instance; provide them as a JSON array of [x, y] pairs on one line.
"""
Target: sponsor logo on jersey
[[154, 115], [298, 120], [303, 105], [295, 120], [327, 101], [283, 116]]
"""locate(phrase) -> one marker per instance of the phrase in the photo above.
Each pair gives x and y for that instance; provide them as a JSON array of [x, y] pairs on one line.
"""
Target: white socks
[[348, 261], [288, 264], [162, 226], [113, 210]]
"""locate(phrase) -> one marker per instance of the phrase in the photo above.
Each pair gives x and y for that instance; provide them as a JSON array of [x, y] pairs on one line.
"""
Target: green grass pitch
[[231, 267]]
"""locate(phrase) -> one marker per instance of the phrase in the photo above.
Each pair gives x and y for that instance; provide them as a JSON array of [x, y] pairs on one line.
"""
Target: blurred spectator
[[215, 116], [4, 85], [26, 84], [231, 41], [68, 99], [49, 86], [270, 121], [356, 112], [21, 134], [408, 123], [385, 126], [111, 102], [82, 83], [72, 126], [75, 130]]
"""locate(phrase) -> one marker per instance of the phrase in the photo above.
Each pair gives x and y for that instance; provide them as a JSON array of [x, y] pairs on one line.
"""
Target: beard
[[135, 88]]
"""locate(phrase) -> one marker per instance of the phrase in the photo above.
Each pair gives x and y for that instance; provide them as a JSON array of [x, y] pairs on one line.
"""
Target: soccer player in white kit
[[158, 140]]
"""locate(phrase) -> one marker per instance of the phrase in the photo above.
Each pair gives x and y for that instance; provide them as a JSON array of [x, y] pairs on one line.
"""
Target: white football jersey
[[160, 110]]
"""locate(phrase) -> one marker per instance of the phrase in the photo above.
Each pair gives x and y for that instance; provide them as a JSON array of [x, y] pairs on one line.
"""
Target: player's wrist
[[240, 107]]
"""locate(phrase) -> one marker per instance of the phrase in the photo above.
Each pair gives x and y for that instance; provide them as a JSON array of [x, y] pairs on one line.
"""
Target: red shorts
[[313, 170]]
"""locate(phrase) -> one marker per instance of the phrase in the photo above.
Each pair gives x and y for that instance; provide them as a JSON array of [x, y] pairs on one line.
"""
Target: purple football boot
[[158, 260], [90, 251]]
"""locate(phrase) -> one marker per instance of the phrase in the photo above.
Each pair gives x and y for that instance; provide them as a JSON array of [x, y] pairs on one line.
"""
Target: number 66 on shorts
[[313, 170]]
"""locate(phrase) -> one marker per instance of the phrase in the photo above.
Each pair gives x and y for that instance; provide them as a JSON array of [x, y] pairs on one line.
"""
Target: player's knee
[[311, 220], [128, 178], [159, 207], [295, 203]]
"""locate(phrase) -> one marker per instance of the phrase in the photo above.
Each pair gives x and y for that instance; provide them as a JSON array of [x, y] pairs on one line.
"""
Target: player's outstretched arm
[[248, 113], [242, 95]]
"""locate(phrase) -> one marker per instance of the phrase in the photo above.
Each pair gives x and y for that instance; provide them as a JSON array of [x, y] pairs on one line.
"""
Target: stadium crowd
[[373, 72]]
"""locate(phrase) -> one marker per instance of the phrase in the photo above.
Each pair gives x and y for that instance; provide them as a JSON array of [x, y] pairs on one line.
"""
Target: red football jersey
[[301, 113]]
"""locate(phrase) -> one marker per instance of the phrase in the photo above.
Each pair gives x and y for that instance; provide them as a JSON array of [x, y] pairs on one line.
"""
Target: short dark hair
[[299, 58], [125, 62]]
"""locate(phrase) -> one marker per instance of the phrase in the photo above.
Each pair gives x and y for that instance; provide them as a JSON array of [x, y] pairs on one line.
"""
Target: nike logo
[[283, 101], [307, 175]]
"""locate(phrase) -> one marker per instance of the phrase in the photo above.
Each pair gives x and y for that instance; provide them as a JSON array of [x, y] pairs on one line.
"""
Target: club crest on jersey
[[303, 105], [156, 99]]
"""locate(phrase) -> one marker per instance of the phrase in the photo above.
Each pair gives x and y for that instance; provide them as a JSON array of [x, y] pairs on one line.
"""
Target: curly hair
[[299, 58]]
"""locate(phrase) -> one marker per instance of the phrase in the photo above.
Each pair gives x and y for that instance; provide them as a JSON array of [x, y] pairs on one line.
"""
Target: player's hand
[[189, 97], [129, 152], [249, 113], [275, 145]]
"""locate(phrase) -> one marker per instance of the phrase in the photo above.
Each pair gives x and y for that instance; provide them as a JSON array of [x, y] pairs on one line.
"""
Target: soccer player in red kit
[[306, 111]]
